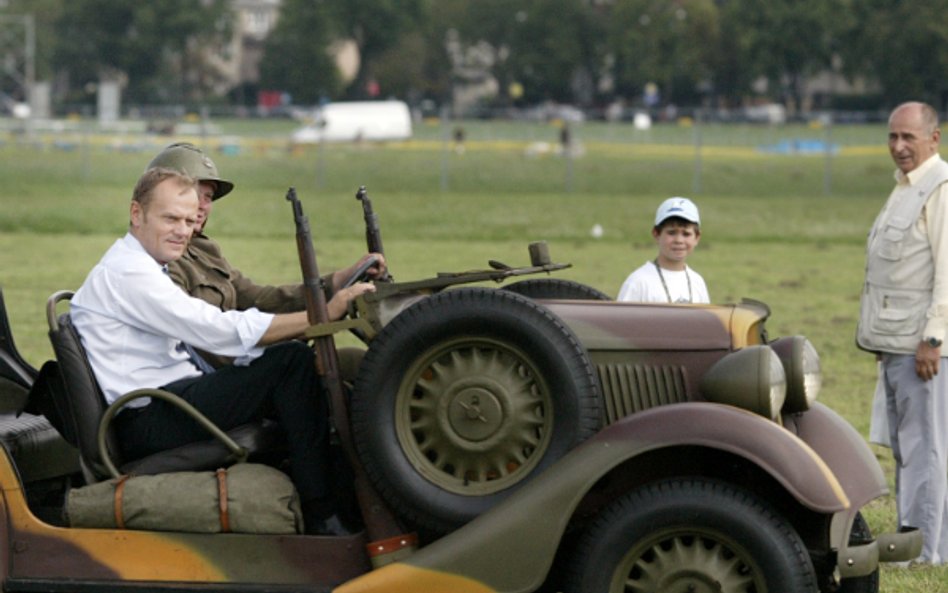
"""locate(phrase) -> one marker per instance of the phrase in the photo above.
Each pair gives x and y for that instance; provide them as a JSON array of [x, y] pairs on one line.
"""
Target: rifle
[[373, 235], [380, 523]]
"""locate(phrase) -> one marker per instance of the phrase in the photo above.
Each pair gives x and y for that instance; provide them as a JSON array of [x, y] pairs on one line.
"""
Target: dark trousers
[[282, 385]]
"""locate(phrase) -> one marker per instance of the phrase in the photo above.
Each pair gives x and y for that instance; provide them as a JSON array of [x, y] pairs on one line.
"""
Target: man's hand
[[340, 277], [338, 306], [927, 359]]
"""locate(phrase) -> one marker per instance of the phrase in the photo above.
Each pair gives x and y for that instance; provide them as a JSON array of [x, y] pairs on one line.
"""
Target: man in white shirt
[[904, 318], [667, 278], [135, 324]]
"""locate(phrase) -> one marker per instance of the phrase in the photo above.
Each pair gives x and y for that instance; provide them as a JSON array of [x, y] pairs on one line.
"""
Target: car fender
[[843, 449], [511, 547], [855, 466]]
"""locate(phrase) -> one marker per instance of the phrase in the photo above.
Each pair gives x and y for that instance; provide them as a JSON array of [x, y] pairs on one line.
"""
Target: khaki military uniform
[[204, 273]]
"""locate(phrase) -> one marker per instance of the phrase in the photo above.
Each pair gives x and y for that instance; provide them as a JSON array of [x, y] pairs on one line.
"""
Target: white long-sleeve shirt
[[132, 319]]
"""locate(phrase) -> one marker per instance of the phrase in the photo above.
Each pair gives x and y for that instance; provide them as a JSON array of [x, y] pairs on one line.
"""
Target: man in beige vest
[[903, 317]]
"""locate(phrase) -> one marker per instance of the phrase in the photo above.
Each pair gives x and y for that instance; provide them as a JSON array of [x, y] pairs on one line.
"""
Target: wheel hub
[[475, 414], [689, 581]]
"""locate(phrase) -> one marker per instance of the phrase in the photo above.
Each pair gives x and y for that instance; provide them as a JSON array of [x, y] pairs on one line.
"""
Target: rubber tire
[[430, 340], [660, 521], [557, 288], [869, 583]]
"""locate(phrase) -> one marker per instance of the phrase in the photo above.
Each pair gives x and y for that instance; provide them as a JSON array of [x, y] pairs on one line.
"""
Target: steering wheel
[[361, 273]]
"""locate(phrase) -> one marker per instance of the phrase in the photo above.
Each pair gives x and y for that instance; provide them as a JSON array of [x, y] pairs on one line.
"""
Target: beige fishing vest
[[900, 271]]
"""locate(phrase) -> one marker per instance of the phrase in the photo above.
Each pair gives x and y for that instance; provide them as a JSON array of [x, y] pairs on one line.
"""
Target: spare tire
[[557, 288], [464, 396]]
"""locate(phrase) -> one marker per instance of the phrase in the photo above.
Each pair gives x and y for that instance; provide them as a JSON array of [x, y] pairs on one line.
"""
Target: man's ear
[[656, 232], [135, 214]]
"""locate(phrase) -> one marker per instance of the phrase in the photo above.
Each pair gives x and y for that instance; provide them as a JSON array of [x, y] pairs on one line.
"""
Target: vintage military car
[[504, 434]]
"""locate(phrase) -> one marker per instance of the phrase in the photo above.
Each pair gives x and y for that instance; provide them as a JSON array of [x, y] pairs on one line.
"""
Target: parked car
[[534, 435]]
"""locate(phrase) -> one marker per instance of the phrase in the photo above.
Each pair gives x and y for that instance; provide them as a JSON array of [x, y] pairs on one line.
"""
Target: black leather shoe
[[331, 525]]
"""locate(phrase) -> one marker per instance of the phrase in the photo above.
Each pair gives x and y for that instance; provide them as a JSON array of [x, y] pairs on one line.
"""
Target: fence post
[[696, 126], [321, 159], [567, 141], [828, 170], [445, 146]]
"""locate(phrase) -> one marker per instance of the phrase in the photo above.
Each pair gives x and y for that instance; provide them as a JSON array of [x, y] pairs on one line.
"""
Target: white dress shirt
[[132, 318]]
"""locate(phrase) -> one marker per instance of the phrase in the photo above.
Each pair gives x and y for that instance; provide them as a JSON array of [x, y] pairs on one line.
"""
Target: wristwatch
[[933, 342]]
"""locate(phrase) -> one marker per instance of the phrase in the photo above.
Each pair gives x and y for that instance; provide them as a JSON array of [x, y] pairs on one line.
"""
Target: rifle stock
[[380, 523]]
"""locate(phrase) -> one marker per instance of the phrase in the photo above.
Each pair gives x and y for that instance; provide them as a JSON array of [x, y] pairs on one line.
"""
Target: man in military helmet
[[204, 272]]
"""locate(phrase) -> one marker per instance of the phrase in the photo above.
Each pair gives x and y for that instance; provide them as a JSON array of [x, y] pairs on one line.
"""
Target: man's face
[[911, 141], [164, 226], [675, 243], [206, 191]]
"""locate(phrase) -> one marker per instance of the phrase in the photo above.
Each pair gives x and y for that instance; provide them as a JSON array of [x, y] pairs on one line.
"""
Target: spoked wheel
[[690, 535], [474, 411], [464, 396]]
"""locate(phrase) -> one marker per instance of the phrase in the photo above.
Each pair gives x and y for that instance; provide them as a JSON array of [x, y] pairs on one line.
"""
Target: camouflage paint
[[404, 578], [38, 550], [510, 548], [631, 327]]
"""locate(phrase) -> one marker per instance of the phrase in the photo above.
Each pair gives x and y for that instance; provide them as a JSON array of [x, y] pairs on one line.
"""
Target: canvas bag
[[245, 498]]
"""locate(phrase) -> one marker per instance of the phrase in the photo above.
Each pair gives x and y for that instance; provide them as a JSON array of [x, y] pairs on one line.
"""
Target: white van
[[357, 121]]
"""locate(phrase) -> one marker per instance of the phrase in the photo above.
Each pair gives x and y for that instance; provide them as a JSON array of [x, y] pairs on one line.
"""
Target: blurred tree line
[[581, 52]]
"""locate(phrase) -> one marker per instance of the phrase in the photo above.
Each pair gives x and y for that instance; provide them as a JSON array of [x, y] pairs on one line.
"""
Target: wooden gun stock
[[380, 523]]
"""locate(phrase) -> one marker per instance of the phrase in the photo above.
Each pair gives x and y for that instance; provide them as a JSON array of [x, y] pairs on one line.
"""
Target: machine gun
[[387, 539], [373, 235]]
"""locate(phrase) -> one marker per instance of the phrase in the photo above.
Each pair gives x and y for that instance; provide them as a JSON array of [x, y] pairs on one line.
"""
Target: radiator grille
[[631, 388]]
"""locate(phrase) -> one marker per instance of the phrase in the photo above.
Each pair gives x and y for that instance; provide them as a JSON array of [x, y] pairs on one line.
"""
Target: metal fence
[[684, 155]]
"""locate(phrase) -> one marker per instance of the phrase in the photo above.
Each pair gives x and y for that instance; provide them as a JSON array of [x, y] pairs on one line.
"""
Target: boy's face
[[676, 241]]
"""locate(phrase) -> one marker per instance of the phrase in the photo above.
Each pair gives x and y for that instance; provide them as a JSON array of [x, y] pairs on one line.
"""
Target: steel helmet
[[187, 158]]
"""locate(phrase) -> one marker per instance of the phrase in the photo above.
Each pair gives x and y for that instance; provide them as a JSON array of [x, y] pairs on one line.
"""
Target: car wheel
[[464, 396], [557, 288], [861, 534], [690, 535]]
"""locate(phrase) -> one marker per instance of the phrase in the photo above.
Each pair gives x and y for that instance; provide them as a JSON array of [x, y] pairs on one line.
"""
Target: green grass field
[[771, 229]]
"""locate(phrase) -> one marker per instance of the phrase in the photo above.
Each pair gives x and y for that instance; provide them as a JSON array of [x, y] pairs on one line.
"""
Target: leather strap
[[117, 502], [222, 499]]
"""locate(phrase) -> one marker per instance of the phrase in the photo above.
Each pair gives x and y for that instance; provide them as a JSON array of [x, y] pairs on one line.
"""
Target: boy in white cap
[[667, 278]]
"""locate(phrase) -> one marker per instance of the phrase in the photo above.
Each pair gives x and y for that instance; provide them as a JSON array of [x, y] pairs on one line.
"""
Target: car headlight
[[751, 378], [801, 363]]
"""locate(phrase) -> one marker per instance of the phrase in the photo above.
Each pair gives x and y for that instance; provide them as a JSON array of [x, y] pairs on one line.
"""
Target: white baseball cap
[[678, 207]]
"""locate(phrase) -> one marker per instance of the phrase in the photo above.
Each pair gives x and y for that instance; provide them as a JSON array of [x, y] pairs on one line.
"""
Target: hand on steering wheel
[[361, 273]]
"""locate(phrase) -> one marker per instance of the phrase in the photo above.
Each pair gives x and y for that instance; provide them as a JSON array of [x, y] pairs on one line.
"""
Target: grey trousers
[[918, 431]]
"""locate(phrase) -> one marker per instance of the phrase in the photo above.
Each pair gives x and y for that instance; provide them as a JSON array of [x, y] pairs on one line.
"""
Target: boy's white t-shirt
[[644, 285]]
